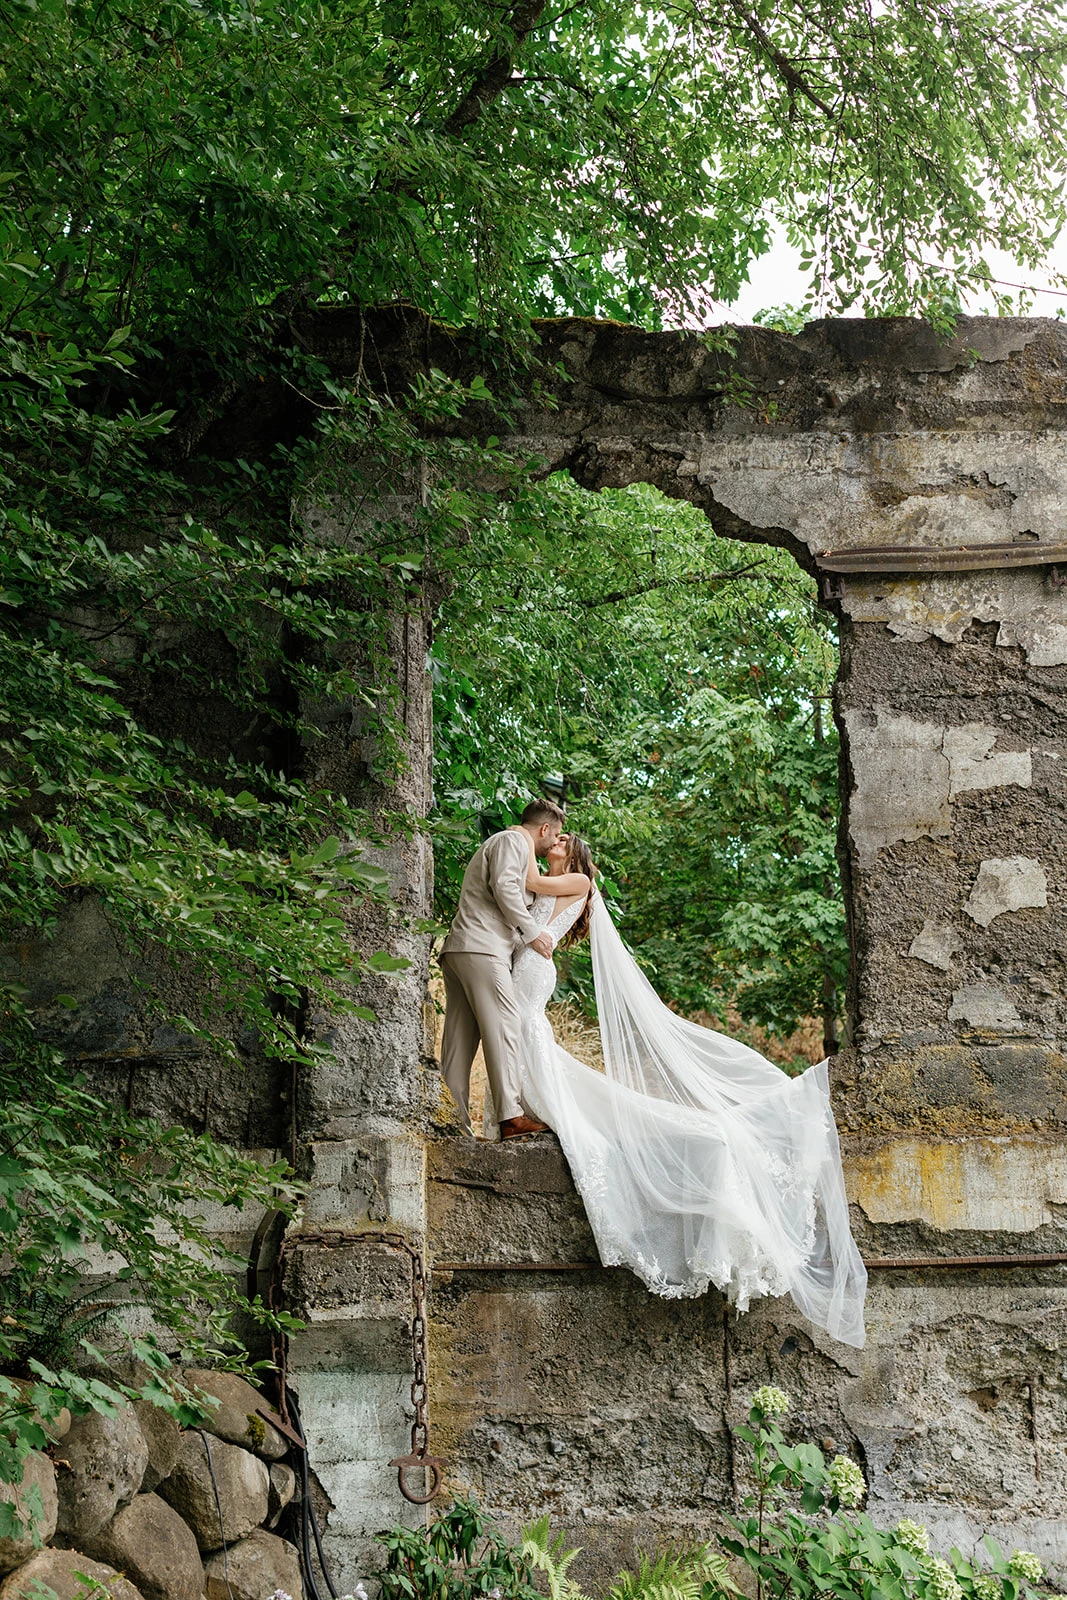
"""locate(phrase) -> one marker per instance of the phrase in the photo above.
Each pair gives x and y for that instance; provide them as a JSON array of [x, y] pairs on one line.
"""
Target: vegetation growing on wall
[[801, 1535]]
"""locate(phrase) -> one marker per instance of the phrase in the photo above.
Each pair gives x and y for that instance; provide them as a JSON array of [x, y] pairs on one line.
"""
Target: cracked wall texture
[[576, 1391]]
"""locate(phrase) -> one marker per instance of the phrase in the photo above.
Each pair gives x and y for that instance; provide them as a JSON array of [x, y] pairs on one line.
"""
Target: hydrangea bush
[[802, 1534]]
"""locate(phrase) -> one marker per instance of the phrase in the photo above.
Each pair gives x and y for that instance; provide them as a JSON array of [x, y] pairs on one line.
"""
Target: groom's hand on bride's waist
[[543, 945]]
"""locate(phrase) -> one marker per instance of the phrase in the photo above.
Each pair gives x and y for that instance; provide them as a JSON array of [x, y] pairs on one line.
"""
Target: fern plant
[[697, 1574], [549, 1557]]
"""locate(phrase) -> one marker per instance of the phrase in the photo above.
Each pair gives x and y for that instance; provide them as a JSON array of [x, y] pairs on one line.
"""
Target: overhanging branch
[[493, 78], [752, 572]]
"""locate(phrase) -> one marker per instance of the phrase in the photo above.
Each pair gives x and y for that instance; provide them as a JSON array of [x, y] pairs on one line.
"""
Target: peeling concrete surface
[[907, 772], [973, 765], [973, 1185], [935, 943], [1028, 613], [902, 780], [983, 1005], [1006, 884]]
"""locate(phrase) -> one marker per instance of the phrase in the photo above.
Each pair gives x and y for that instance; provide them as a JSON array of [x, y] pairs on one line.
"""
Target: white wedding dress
[[698, 1161]]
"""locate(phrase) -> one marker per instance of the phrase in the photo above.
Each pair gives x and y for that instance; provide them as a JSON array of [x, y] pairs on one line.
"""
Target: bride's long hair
[[580, 859]]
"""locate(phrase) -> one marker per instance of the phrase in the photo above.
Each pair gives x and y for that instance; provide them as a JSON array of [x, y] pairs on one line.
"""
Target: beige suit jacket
[[493, 916]]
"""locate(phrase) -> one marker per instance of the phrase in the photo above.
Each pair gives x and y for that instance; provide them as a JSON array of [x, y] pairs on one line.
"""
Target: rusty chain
[[419, 1456]]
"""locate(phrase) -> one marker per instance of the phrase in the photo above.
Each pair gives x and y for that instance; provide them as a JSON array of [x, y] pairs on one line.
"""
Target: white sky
[[775, 280]]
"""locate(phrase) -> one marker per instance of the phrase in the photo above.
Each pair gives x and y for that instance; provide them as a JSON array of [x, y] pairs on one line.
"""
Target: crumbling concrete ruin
[[926, 483]]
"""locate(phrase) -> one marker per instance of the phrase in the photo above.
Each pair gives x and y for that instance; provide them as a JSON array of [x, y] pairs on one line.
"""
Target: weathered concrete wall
[[362, 1113], [576, 1391]]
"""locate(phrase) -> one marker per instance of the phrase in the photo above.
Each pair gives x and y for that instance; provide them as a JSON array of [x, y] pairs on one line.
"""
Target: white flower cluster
[[913, 1536], [358, 1593], [771, 1401], [847, 1481], [987, 1586], [942, 1580], [1025, 1565]]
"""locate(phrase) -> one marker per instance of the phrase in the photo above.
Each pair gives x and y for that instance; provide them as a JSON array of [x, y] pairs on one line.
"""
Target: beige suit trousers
[[480, 1004]]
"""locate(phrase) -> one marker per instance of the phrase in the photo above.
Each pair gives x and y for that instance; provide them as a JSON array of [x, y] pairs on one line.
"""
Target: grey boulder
[[105, 1460], [38, 1518], [233, 1483], [236, 1418], [254, 1569], [63, 1572], [163, 1438], [282, 1489], [149, 1540]]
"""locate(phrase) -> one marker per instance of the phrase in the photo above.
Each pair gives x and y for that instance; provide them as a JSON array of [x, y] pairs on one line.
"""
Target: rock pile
[[145, 1511]]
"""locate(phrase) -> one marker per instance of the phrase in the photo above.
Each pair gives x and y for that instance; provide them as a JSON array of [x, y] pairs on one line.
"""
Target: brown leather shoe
[[520, 1127]]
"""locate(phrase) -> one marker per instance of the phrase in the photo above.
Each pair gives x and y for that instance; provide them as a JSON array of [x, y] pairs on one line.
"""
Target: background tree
[[679, 684]]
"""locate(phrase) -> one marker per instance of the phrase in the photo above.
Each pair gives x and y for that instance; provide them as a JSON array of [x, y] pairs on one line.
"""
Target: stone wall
[[154, 1513], [560, 1386]]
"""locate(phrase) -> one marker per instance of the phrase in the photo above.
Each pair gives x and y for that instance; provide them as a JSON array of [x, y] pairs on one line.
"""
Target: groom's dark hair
[[539, 812]]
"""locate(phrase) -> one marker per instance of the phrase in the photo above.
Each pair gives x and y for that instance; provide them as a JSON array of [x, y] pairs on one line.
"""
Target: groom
[[492, 923]]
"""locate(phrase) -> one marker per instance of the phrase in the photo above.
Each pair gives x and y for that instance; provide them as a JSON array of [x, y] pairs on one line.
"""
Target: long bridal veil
[[730, 1172]]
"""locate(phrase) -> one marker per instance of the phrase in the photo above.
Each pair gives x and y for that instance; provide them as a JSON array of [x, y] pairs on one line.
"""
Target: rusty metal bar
[[514, 1266], [873, 1263], [886, 558], [906, 1263]]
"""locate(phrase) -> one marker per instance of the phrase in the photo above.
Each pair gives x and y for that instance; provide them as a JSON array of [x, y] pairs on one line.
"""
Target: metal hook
[[432, 1464]]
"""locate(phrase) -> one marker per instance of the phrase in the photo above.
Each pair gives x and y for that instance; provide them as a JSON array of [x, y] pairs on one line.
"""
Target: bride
[[699, 1162]]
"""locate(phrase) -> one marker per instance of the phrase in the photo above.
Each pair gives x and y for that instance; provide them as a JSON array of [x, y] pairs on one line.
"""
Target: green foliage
[[681, 683], [785, 319], [491, 162], [217, 861], [103, 1229], [801, 1538], [549, 1555], [698, 1574], [459, 1556]]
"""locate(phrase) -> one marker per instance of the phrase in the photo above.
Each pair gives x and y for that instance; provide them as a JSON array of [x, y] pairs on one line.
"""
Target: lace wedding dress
[[699, 1162]]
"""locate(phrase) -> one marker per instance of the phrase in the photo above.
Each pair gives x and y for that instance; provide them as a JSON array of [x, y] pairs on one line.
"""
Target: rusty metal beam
[[910, 1263], [885, 558], [514, 1266], [873, 1264]]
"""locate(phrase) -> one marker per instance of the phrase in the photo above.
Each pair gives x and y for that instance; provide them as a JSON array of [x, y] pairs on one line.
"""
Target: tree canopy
[[176, 165], [677, 687]]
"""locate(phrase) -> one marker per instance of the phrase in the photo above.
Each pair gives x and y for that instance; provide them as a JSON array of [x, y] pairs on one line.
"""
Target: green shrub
[[804, 1536]]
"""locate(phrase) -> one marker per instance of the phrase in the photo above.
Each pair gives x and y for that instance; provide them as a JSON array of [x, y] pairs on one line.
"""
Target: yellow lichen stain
[[1000, 1184]]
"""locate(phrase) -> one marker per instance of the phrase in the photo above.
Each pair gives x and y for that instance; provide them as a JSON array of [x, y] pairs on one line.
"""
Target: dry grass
[[803, 1045], [581, 1038]]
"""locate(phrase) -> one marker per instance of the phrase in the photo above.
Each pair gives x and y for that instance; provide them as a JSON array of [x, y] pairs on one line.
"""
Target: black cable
[[218, 1508], [309, 1522]]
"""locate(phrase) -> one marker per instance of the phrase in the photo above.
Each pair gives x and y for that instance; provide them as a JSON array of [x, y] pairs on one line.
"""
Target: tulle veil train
[[698, 1160]]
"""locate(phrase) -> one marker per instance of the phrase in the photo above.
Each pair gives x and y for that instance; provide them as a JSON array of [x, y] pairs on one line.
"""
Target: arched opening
[[675, 687]]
